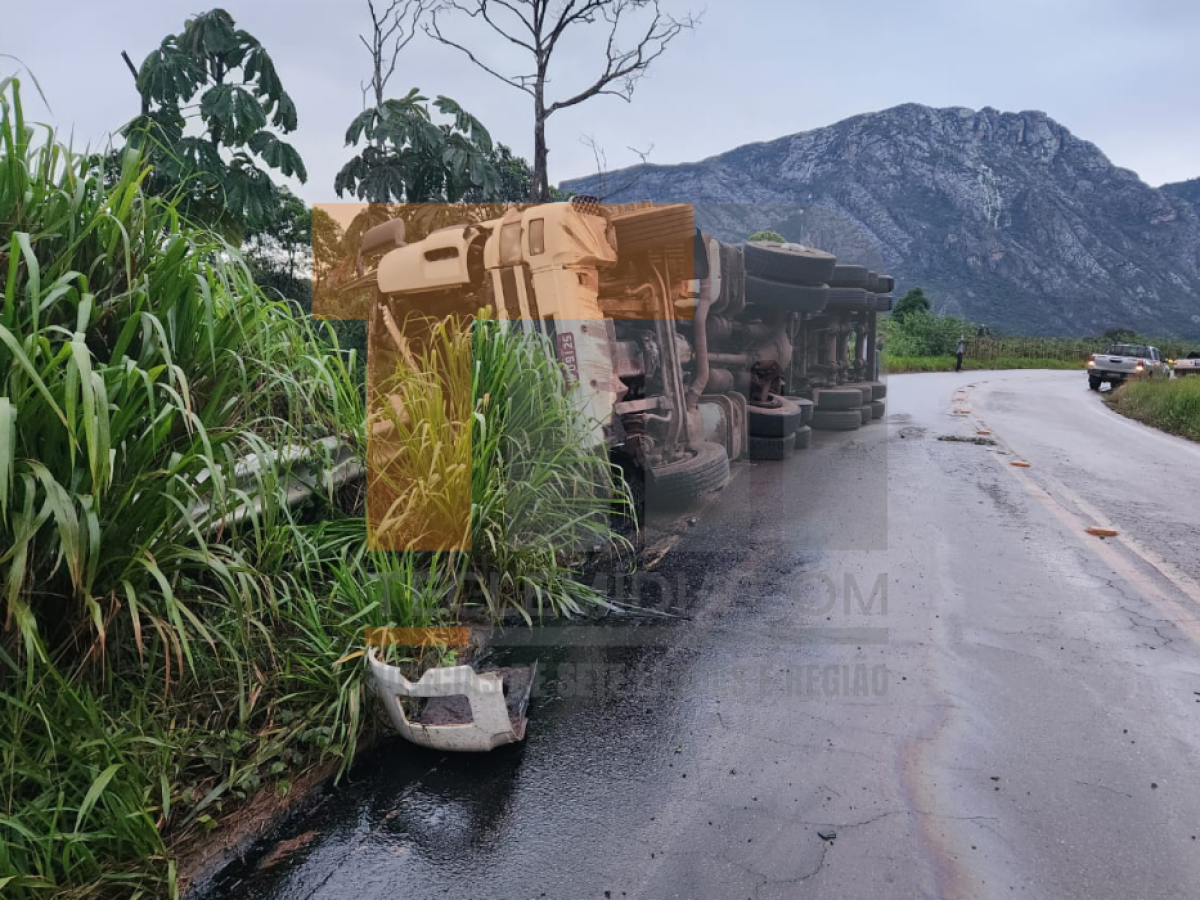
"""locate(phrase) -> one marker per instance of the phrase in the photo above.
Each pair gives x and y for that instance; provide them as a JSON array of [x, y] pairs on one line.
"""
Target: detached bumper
[[463, 710]]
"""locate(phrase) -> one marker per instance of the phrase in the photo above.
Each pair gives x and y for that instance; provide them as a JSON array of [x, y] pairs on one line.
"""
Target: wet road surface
[[905, 671]]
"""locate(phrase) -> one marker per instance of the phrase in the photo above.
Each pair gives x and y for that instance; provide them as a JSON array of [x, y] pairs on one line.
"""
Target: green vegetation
[[541, 500], [898, 365], [408, 157], [1172, 406], [219, 77], [768, 236], [492, 455], [914, 301], [160, 666], [917, 340]]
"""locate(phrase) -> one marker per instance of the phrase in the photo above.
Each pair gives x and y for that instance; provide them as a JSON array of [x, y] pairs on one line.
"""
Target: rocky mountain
[[1185, 190], [1004, 218]]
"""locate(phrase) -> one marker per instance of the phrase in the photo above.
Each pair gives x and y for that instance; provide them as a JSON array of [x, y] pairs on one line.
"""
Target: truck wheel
[[1094, 383], [779, 419], [849, 277], [850, 299], [878, 407], [789, 263], [809, 298], [803, 437], [863, 387], [878, 389], [806, 408], [883, 303], [837, 398], [866, 414], [772, 447], [886, 284], [836, 419], [705, 468]]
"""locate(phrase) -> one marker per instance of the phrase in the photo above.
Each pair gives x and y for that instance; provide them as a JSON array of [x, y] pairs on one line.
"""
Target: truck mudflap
[[463, 710]]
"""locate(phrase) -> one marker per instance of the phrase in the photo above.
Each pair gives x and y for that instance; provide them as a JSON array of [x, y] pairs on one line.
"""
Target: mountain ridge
[[1005, 218]]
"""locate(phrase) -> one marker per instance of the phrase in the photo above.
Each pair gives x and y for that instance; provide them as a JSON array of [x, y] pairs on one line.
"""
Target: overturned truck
[[684, 351]]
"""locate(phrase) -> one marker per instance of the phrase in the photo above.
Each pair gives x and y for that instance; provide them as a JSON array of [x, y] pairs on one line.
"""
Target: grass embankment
[[1172, 406], [158, 669], [898, 365]]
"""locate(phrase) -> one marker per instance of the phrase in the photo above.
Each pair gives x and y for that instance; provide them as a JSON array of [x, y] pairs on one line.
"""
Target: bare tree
[[537, 26], [391, 30]]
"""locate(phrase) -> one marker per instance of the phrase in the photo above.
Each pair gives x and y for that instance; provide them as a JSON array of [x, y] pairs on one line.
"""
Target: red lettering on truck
[[566, 355]]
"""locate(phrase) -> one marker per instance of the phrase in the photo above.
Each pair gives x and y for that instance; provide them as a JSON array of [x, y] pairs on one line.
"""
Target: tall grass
[[1172, 406], [154, 668], [488, 456], [541, 497]]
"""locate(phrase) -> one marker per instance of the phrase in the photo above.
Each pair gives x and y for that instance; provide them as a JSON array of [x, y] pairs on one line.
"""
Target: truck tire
[[837, 419], [806, 408], [885, 285], [680, 483], [790, 263], [878, 408], [809, 298], [1094, 383], [872, 284], [837, 399], [803, 437], [866, 414], [865, 388], [850, 299], [878, 389], [779, 419], [882, 303], [772, 447], [848, 277]]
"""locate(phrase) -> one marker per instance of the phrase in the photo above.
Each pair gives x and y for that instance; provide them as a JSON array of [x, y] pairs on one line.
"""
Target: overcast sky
[[1124, 74]]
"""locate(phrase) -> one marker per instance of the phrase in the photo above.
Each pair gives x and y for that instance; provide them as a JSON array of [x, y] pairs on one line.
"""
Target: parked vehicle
[[1189, 365], [1124, 361]]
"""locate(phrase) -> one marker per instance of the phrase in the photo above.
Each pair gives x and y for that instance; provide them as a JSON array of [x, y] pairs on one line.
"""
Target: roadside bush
[[924, 334], [1172, 406]]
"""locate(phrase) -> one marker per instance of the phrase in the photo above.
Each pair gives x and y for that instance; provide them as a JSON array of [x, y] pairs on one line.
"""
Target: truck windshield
[[1127, 350]]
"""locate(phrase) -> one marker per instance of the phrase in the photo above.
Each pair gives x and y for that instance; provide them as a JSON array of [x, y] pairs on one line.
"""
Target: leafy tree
[[410, 158], [913, 301], [768, 236], [219, 77]]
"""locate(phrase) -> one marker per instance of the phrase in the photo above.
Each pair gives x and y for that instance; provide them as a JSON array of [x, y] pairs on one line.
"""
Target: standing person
[[958, 353]]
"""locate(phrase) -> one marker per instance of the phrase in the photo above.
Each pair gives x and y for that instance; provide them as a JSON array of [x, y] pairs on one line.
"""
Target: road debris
[[960, 439]]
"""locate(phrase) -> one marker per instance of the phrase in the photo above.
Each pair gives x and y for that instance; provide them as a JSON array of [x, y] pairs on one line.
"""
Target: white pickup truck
[[1122, 361], [1188, 365]]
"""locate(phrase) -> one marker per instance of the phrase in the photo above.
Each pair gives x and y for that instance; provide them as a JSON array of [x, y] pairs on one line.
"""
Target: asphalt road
[[906, 671]]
